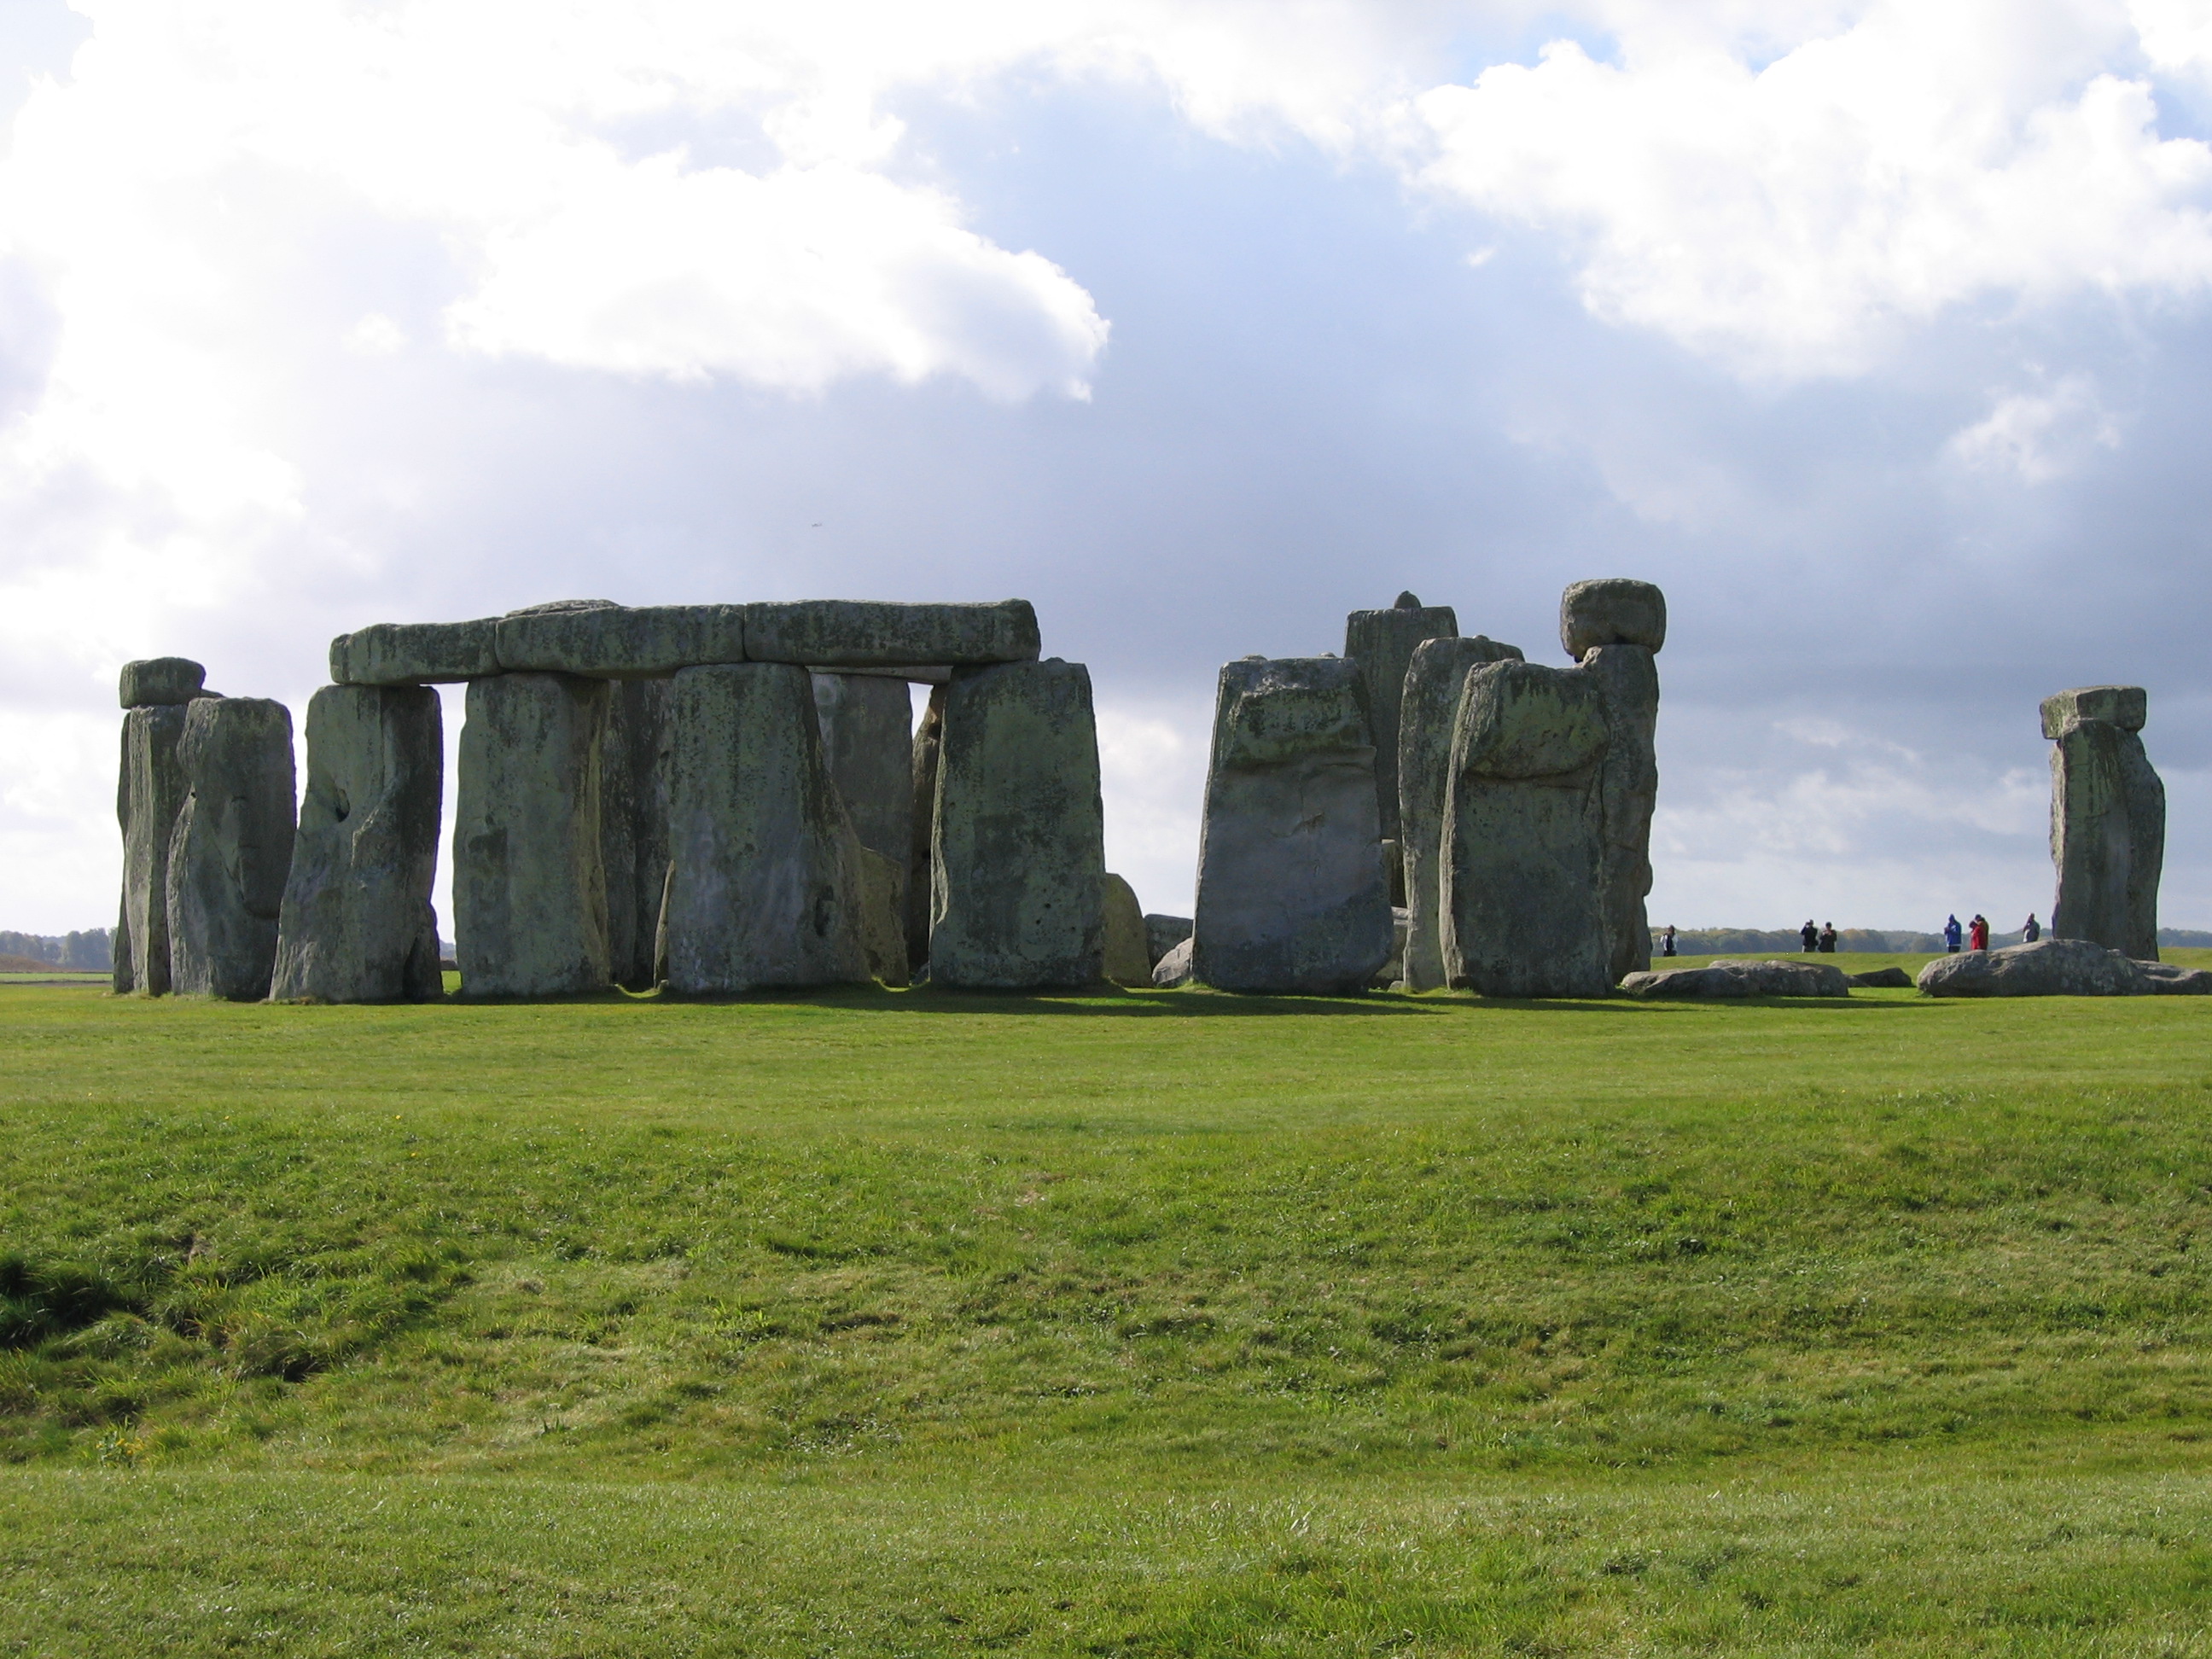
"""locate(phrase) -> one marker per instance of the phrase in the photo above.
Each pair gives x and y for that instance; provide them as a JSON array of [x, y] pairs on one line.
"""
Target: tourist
[[1828, 940], [2033, 931], [1666, 941], [1810, 932], [1977, 932], [1951, 935]]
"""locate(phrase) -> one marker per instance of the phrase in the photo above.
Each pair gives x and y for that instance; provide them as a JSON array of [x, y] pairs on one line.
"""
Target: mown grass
[[1169, 1322]]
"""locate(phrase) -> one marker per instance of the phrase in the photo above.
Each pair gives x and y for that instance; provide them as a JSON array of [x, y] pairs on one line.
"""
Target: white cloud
[[1792, 214], [2038, 435]]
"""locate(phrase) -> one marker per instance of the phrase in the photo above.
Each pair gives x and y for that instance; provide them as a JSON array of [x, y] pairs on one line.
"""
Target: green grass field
[[1159, 1323]]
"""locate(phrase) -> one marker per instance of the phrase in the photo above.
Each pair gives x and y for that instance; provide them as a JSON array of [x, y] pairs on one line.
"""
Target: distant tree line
[[89, 952]]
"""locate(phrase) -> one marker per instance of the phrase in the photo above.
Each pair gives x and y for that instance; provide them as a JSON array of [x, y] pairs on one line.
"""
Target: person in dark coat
[[1811, 934], [2032, 932], [1828, 940], [1666, 941]]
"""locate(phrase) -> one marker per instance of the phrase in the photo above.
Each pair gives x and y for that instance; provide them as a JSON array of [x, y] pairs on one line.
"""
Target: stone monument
[[1382, 643], [1292, 894], [2107, 819], [1614, 628], [150, 792], [231, 847]]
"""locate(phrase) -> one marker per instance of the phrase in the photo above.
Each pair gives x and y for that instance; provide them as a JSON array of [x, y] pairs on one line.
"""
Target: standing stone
[[928, 742], [1292, 896], [762, 889], [232, 848], [357, 924], [1524, 826], [634, 824], [149, 794], [1434, 680], [1128, 961], [1020, 834], [2107, 819], [530, 901], [867, 743], [1382, 643], [879, 897], [1616, 628]]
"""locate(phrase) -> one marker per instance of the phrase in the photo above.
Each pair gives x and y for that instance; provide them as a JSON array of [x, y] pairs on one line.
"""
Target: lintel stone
[[2127, 707], [845, 634], [416, 653]]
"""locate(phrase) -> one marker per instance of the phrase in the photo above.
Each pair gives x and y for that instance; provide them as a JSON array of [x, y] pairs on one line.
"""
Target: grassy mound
[[1169, 1322]]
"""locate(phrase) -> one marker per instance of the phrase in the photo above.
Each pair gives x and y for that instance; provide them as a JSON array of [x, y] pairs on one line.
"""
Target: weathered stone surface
[[1127, 959], [2127, 707], [1612, 611], [149, 794], [855, 634], [157, 681], [879, 894], [1883, 979], [762, 890], [1163, 933], [231, 847], [1524, 836], [867, 722], [1742, 979], [603, 641], [1382, 644], [1434, 680], [928, 742], [530, 902], [2107, 822], [416, 653], [2056, 968], [634, 824], [1292, 896], [1628, 790], [357, 924], [1020, 833], [1391, 975], [1173, 969]]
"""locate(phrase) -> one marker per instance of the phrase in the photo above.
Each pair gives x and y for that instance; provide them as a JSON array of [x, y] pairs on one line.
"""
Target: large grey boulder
[[1524, 833], [1434, 680], [763, 891], [1742, 979], [1882, 979], [1382, 644], [1292, 895], [1628, 790], [634, 824], [855, 634], [2107, 819], [2057, 968], [357, 924], [1173, 969], [416, 653], [1163, 933], [604, 641], [1127, 960], [928, 744], [149, 794], [231, 847], [1612, 611], [1020, 834], [153, 682], [530, 902]]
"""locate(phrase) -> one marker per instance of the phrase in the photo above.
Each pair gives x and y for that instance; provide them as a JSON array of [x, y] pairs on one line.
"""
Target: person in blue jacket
[[1952, 935]]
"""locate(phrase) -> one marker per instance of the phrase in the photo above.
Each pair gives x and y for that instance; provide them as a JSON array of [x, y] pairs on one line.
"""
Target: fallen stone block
[[857, 634], [2056, 968], [1173, 969], [1163, 933], [1292, 895], [1020, 837], [232, 848], [1741, 979], [1883, 979], [357, 924]]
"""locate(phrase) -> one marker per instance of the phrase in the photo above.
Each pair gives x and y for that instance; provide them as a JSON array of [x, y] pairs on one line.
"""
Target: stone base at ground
[[2057, 968], [1883, 979], [1741, 979]]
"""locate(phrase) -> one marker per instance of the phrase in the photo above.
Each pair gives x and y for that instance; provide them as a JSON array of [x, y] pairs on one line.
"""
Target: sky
[[1876, 334]]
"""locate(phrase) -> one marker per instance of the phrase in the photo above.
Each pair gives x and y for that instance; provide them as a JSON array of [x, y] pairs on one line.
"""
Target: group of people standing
[[1977, 932], [1822, 940]]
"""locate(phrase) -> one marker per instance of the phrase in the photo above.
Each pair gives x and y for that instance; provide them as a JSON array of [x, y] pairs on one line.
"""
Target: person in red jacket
[[1977, 932]]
